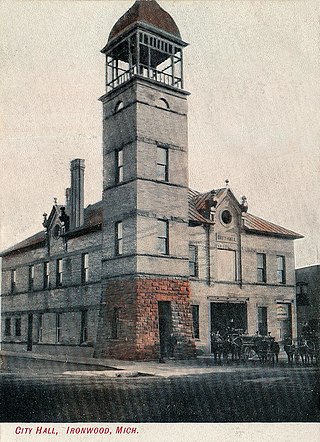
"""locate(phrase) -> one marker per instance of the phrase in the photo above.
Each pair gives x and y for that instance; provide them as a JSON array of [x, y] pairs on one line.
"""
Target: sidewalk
[[120, 368]]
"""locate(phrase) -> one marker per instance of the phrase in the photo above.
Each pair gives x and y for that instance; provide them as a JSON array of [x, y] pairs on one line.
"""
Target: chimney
[[77, 193], [68, 193]]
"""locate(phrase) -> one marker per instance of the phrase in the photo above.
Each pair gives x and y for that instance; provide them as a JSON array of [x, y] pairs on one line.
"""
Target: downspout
[[240, 254], [45, 225], [208, 238], [244, 209]]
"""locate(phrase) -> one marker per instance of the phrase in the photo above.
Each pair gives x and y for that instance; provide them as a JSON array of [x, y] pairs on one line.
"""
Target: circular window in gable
[[226, 217]]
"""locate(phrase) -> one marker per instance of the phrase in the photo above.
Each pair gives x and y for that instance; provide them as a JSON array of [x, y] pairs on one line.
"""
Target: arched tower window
[[163, 103], [118, 106]]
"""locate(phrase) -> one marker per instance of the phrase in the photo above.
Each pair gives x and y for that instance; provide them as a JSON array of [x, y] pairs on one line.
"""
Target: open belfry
[[155, 269]]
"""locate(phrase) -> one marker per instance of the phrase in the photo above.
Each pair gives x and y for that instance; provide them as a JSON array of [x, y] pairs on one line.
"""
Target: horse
[[236, 348], [274, 350], [306, 350], [290, 349], [226, 347], [262, 347], [216, 346]]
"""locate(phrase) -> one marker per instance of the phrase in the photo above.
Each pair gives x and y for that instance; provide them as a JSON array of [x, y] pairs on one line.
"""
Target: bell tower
[[145, 264]]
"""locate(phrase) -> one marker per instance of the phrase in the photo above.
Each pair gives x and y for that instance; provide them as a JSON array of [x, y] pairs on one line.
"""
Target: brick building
[[308, 298], [153, 259]]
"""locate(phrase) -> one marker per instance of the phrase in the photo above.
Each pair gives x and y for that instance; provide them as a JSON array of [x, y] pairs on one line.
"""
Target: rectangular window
[[163, 237], [31, 277], [18, 326], [40, 328], [261, 267], [46, 275], [115, 327], [119, 166], [85, 268], [262, 321], [193, 261], [162, 164], [302, 294], [118, 238], [7, 327], [195, 320], [58, 327], [13, 280], [84, 327], [59, 272], [226, 265], [281, 270]]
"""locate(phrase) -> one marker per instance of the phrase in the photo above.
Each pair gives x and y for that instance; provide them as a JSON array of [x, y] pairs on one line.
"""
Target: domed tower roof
[[148, 12]]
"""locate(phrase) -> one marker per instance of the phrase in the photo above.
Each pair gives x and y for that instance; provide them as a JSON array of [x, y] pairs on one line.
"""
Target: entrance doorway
[[284, 314], [30, 332], [226, 316], [165, 326]]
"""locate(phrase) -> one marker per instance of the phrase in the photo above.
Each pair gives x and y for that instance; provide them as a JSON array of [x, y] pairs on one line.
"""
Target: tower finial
[[227, 183]]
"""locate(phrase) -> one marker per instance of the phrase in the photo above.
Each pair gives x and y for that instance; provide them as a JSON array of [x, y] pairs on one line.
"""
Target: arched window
[[163, 103], [118, 106]]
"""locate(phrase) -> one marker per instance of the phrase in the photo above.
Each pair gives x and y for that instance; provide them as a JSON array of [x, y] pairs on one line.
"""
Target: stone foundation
[[138, 326]]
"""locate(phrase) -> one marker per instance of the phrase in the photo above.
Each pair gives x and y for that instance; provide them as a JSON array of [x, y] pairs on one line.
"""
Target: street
[[41, 391]]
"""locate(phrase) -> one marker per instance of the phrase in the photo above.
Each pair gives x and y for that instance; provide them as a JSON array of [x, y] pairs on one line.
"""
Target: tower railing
[[146, 72]]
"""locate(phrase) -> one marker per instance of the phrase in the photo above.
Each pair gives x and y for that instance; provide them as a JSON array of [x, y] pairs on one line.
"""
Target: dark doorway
[[285, 321], [165, 326], [263, 321], [226, 316], [30, 332]]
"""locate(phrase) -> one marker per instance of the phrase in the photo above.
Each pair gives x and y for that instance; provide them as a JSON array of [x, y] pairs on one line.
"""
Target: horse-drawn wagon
[[245, 347], [263, 347]]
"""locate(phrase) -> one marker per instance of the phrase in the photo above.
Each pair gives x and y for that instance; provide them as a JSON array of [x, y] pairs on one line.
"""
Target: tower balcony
[[145, 55]]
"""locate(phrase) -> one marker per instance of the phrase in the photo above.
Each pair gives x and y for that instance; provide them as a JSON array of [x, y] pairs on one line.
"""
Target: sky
[[252, 68]]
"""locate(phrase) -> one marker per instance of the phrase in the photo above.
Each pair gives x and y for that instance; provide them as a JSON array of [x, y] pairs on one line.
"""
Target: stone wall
[[137, 299]]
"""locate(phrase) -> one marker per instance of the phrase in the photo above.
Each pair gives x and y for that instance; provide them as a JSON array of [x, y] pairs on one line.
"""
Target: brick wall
[[137, 299]]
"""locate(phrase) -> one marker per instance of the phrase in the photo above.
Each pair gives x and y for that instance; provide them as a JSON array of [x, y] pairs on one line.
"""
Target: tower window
[[163, 103], [118, 106], [84, 327], [7, 327], [18, 326], [195, 320], [119, 166], [193, 261], [118, 238], [115, 327], [281, 270], [13, 280], [46, 275], [58, 327], [59, 272], [162, 164], [163, 237], [84, 268], [31, 277], [40, 327], [261, 267]]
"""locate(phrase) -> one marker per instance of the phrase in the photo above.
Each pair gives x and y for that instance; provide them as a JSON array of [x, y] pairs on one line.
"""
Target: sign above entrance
[[282, 312], [226, 238]]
